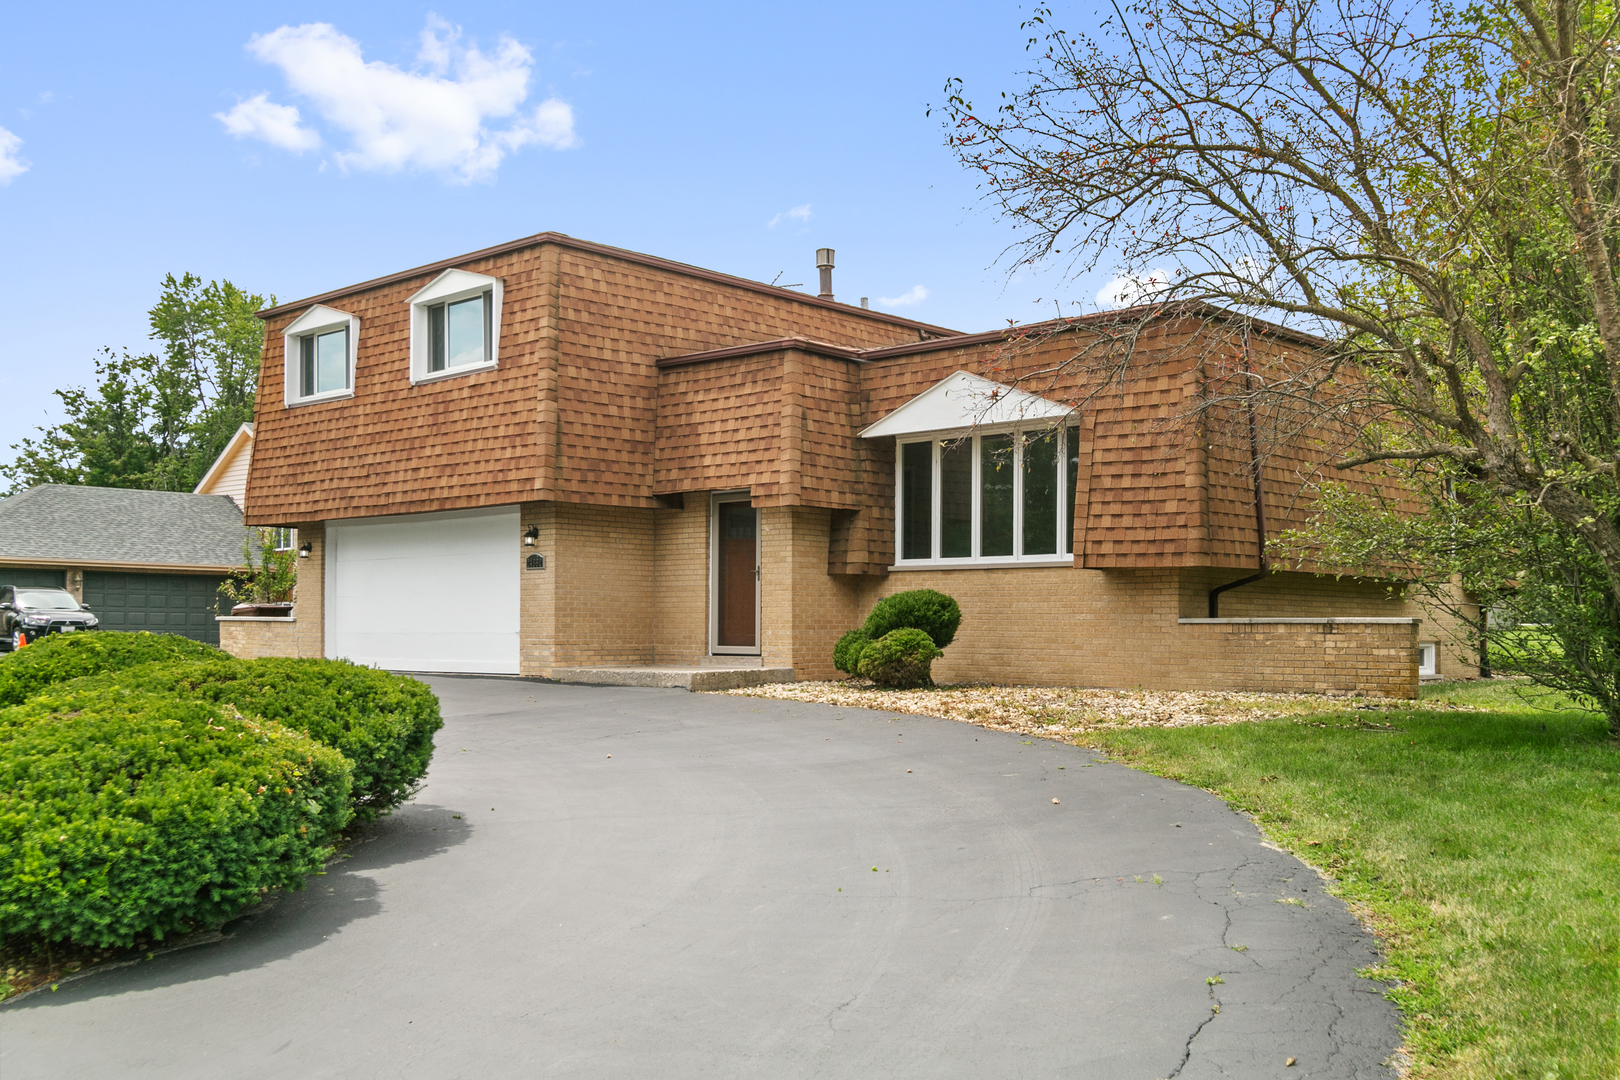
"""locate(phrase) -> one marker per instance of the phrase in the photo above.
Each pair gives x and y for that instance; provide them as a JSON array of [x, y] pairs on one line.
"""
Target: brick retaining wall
[[1372, 656]]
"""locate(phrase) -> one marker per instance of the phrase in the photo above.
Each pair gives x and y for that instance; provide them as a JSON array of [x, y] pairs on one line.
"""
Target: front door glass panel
[[736, 623]]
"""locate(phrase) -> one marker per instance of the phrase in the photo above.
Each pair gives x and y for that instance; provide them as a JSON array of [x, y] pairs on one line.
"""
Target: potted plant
[[265, 589]]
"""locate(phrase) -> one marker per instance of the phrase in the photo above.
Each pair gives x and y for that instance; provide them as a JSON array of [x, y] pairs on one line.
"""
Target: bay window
[[999, 497]]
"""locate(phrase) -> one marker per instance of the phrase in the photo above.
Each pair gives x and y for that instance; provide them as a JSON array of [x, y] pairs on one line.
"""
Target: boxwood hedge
[[900, 660], [126, 812], [61, 657], [384, 724], [928, 610]]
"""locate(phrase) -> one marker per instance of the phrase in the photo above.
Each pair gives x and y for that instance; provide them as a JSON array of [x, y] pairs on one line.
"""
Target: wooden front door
[[736, 577]]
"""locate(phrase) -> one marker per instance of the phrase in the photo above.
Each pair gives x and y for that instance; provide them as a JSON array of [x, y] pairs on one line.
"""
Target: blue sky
[[738, 138]]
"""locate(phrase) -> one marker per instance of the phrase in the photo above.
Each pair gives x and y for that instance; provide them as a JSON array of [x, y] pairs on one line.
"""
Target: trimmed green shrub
[[384, 724], [934, 613], [847, 653], [900, 659], [125, 813], [60, 657]]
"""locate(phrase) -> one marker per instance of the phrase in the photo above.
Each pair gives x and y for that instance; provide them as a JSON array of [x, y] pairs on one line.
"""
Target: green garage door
[[10, 575], [182, 604]]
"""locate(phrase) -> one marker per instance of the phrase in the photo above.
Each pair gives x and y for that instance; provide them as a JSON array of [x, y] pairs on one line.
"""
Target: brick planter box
[[249, 637]]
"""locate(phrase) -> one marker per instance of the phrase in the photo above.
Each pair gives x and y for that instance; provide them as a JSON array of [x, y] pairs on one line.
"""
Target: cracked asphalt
[[624, 882]]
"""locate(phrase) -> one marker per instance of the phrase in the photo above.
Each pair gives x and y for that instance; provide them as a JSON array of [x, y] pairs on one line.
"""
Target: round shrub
[[934, 613], [900, 659], [125, 813], [847, 653], [384, 724], [60, 657]]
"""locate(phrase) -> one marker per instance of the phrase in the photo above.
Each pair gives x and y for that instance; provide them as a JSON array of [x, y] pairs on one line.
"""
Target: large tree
[[1434, 191], [157, 420]]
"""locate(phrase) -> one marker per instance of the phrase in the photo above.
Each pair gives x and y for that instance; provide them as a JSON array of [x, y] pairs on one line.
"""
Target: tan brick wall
[[1378, 659], [681, 582], [1119, 628], [803, 608], [309, 596], [252, 638], [604, 585], [537, 592]]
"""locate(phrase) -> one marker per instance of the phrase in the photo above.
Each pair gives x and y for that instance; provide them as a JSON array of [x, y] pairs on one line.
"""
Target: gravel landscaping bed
[[1058, 712]]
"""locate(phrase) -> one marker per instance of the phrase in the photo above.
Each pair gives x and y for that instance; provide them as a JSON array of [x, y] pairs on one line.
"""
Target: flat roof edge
[[564, 240]]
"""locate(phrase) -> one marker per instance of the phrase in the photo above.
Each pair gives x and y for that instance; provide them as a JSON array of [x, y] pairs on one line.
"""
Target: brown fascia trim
[[95, 564], [564, 240], [961, 341]]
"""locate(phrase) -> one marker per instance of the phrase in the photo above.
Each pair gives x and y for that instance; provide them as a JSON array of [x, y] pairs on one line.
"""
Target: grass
[[1483, 845]]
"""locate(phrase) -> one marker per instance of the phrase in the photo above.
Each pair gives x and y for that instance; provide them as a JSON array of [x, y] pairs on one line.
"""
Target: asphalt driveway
[[615, 882]]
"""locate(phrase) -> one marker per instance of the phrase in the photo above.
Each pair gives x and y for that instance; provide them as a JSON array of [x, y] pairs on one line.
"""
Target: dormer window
[[455, 326], [319, 350]]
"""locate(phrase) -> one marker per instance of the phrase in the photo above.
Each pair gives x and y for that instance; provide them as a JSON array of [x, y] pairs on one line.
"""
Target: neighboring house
[[228, 476], [141, 560], [554, 458]]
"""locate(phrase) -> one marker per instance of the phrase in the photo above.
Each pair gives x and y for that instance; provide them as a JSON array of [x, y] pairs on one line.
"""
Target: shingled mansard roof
[[60, 524]]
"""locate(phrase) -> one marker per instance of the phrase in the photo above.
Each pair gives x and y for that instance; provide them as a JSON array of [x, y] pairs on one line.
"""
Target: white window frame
[[717, 500], [319, 319], [1428, 659], [447, 288], [1021, 434]]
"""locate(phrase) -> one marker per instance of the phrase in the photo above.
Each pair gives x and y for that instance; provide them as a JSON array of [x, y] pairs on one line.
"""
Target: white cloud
[[1128, 290], [12, 164], [798, 213], [916, 295], [435, 117], [277, 125]]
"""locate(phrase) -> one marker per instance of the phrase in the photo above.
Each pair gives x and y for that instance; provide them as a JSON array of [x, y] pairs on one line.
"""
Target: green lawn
[[1484, 845]]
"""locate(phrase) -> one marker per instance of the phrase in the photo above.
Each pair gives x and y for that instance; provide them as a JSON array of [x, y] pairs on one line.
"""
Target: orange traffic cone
[[22, 639]]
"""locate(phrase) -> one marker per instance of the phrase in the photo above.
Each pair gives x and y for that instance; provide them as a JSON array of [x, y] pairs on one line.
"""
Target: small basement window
[[455, 326], [1428, 657], [318, 356]]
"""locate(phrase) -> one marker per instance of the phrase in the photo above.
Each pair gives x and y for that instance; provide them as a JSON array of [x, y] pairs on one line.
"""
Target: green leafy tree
[[1433, 190], [157, 420]]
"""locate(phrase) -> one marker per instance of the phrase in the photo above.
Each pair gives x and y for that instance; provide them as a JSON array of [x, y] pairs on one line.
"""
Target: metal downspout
[[1259, 492]]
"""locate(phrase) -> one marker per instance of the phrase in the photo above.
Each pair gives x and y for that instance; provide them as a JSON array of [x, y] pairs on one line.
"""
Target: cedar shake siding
[[568, 415], [630, 390]]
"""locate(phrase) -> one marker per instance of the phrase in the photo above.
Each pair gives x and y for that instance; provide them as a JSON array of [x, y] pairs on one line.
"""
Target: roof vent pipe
[[824, 263], [865, 303]]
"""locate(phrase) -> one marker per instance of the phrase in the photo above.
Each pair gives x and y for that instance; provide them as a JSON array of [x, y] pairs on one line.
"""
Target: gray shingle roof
[[121, 525]]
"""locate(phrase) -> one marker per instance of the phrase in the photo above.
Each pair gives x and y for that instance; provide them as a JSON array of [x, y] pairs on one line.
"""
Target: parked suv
[[28, 613]]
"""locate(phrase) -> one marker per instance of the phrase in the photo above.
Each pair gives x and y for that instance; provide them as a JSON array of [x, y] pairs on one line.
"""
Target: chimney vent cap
[[824, 257]]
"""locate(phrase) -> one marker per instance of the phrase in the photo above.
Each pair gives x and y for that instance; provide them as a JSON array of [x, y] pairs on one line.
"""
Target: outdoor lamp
[[305, 548], [530, 535]]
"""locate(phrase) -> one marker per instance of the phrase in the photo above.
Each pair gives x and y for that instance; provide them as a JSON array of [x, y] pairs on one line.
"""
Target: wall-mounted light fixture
[[530, 535], [305, 548]]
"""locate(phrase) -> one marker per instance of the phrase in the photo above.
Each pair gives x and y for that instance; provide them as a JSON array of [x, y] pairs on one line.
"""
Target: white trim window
[[986, 498], [318, 355], [1428, 659], [455, 326]]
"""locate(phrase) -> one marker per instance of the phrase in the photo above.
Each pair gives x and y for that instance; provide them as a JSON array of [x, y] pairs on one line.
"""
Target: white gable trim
[[448, 286], [316, 319], [964, 400]]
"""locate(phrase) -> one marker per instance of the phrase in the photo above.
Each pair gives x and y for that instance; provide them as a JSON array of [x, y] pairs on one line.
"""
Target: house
[[141, 560], [561, 459]]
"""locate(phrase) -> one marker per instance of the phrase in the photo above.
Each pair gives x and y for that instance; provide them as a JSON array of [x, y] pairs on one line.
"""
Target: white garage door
[[428, 592]]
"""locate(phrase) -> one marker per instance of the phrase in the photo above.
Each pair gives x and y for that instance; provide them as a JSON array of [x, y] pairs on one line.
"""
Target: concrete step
[[693, 678]]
